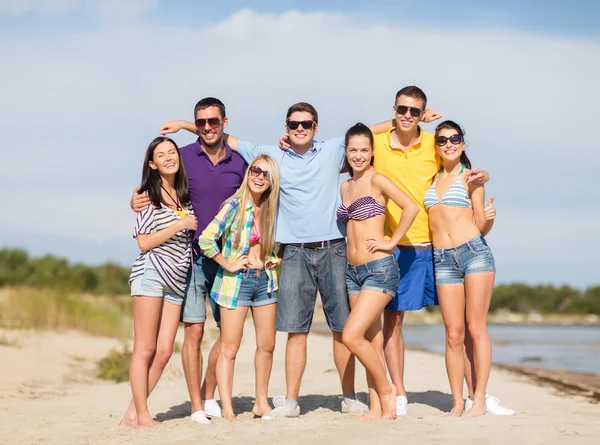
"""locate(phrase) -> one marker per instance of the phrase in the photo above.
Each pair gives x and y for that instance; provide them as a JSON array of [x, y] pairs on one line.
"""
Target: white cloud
[[81, 107]]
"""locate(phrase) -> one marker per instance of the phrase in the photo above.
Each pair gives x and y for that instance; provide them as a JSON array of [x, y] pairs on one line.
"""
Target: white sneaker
[[492, 406], [200, 417], [282, 409], [211, 408], [401, 405], [354, 406]]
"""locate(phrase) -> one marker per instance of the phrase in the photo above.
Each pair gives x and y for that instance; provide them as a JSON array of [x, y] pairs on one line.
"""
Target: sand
[[49, 395]]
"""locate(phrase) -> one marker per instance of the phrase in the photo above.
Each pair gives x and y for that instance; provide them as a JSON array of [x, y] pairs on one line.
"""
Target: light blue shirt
[[309, 189]]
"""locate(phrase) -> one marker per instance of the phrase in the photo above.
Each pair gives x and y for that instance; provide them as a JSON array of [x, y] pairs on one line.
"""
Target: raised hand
[[171, 127], [284, 142], [189, 222], [430, 115], [490, 211], [139, 201]]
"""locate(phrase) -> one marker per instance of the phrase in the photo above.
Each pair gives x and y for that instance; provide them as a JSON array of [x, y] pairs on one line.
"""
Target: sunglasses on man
[[414, 111], [213, 122], [307, 125]]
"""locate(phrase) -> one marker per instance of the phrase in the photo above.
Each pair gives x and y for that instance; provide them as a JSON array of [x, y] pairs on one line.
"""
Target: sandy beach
[[49, 395]]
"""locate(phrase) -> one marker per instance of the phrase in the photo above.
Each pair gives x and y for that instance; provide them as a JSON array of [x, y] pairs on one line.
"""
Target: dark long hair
[[454, 126], [358, 129], [151, 178]]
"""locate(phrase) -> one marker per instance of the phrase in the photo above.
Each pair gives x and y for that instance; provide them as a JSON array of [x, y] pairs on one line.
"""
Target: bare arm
[[152, 240], [429, 115], [484, 219], [174, 126]]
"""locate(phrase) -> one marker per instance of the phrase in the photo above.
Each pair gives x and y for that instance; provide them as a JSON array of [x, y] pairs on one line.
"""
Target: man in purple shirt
[[215, 172]]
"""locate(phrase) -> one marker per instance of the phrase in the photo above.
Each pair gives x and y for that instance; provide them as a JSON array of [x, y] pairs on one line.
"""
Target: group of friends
[[388, 219]]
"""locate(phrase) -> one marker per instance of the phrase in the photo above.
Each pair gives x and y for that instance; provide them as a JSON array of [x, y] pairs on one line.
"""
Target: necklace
[[177, 205]]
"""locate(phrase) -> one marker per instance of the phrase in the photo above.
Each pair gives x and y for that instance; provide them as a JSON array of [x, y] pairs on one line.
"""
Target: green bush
[[115, 365]]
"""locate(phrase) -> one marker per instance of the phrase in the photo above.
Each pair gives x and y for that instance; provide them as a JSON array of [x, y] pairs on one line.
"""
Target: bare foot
[[129, 422], [456, 411], [230, 417], [476, 411], [260, 410], [388, 403], [371, 414], [146, 422]]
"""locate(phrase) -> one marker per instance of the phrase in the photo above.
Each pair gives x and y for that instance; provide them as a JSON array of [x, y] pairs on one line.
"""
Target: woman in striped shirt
[[164, 233], [246, 277]]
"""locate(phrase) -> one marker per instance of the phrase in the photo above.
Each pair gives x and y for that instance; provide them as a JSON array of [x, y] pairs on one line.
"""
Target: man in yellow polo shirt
[[406, 154]]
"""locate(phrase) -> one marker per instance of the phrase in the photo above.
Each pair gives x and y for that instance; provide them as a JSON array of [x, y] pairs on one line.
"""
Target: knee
[[266, 347], [350, 339], [163, 355], [477, 330], [193, 334], [229, 351], [455, 338], [392, 324], [144, 352]]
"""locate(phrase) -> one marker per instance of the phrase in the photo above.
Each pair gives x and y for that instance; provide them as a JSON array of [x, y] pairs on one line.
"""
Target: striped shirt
[[226, 288], [173, 257]]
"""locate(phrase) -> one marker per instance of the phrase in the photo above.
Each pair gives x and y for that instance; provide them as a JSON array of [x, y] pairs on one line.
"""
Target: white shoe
[[282, 409], [200, 417], [492, 406], [211, 408], [354, 406], [401, 405]]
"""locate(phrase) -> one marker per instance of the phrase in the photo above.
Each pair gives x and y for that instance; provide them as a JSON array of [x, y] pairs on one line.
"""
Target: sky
[[87, 83]]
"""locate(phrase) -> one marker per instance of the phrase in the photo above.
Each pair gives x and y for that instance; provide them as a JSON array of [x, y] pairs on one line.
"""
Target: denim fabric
[[200, 279], [254, 289], [381, 275], [451, 265], [304, 272], [150, 284]]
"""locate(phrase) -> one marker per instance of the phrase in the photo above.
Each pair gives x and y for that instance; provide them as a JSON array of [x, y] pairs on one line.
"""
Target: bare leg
[[146, 319], [232, 328], [452, 305], [344, 363], [478, 287], [264, 324], [209, 385], [191, 358], [469, 363], [169, 320], [367, 308], [394, 348], [295, 362], [375, 336]]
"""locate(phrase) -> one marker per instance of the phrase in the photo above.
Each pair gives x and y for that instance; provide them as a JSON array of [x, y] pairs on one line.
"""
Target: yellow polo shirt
[[413, 171]]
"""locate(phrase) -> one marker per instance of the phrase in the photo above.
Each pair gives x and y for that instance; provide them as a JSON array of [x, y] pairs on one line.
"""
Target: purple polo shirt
[[211, 184]]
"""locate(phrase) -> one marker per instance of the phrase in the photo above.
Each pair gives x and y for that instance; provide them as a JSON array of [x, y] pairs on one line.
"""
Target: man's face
[[408, 112], [210, 125], [300, 135]]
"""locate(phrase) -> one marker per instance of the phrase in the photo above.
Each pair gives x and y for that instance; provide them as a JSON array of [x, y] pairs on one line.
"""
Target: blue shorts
[[417, 280], [451, 265], [304, 271], [381, 275], [200, 280], [151, 285], [253, 289]]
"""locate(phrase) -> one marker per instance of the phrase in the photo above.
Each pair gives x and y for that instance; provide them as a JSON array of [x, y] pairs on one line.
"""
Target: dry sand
[[48, 395]]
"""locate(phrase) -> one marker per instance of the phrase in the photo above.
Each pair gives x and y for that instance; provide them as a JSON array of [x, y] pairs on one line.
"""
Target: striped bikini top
[[361, 209], [456, 196]]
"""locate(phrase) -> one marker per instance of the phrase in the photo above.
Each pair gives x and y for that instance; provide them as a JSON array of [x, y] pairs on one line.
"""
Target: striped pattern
[[456, 196], [361, 209], [226, 288], [172, 258]]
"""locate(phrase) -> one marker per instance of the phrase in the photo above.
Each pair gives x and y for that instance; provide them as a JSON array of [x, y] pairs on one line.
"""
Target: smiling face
[[406, 122], [165, 159], [359, 153], [450, 144], [259, 176], [301, 136], [210, 125]]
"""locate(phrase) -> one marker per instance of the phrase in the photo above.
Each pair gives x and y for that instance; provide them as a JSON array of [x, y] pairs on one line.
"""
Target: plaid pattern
[[227, 285]]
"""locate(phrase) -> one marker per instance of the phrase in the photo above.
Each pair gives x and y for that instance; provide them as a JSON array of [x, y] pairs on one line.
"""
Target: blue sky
[[87, 83]]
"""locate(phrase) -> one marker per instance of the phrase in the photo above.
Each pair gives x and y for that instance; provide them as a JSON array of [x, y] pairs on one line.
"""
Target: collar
[[413, 146], [317, 145], [200, 151]]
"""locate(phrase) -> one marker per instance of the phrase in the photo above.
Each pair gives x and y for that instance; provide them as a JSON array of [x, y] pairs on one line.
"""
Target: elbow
[[144, 247]]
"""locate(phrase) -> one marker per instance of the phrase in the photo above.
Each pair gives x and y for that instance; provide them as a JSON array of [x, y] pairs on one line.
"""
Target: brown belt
[[318, 244]]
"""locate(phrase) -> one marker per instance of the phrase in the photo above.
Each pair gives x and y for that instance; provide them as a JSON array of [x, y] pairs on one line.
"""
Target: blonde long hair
[[269, 199]]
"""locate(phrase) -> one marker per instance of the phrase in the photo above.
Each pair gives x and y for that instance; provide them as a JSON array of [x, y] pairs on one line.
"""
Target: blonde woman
[[246, 277]]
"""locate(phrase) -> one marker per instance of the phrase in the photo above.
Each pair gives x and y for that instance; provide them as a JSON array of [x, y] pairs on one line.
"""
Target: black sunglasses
[[255, 172], [454, 139], [307, 125], [414, 111], [213, 122]]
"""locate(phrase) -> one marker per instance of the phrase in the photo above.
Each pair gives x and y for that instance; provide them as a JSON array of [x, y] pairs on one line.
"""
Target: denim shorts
[[151, 285], [304, 272], [253, 289], [451, 265], [200, 280], [417, 280], [381, 275]]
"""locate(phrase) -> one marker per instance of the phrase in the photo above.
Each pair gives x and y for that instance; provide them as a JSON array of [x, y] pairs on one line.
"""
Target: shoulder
[[382, 142], [188, 148], [427, 139], [332, 143]]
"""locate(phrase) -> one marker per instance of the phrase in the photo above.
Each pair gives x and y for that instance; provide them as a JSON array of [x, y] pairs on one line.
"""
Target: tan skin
[[232, 320], [362, 334], [463, 306], [155, 321]]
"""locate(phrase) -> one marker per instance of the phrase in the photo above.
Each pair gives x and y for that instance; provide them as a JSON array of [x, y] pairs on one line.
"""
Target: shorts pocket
[[289, 252]]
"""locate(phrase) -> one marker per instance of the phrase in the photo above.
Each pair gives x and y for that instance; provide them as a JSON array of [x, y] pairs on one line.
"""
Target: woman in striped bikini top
[[456, 196]]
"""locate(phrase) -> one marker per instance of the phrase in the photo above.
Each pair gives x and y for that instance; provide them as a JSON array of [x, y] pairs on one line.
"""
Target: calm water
[[571, 348]]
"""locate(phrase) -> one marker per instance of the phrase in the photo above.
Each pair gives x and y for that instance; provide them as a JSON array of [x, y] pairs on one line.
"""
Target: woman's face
[[165, 159], [450, 144], [359, 153], [259, 178]]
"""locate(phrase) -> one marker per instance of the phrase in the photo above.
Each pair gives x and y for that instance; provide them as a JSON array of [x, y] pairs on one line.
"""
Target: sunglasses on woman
[[454, 139], [255, 172]]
